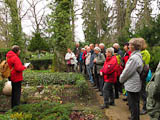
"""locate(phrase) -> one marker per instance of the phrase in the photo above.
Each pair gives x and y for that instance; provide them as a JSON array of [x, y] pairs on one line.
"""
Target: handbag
[[69, 62]]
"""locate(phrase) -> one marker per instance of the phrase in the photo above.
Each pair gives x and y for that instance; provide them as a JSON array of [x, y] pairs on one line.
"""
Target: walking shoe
[[101, 94], [112, 103], [104, 106], [95, 87], [143, 112], [124, 99]]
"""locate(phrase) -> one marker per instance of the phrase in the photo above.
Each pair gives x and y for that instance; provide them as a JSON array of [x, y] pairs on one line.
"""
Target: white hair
[[101, 44], [116, 44], [110, 50], [97, 48], [82, 48]]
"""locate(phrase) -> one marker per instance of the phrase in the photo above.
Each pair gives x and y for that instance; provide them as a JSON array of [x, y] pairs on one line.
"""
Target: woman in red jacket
[[16, 77], [109, 72]]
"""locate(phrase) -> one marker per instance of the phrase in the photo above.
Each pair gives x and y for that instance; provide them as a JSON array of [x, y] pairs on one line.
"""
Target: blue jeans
[[89, 73]]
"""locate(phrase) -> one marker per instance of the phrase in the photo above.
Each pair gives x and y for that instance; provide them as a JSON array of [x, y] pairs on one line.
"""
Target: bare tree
[[36, 15]]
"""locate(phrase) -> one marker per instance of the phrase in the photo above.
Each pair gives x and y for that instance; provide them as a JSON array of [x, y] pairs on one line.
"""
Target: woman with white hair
[[98, 64], [131, 77], [109, 73]]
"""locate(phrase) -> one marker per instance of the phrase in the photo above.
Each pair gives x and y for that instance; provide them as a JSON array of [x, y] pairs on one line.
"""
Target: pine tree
[[95, 15], [16, 27]]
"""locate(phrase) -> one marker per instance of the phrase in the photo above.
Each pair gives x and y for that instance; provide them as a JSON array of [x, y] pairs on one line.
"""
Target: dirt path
[[120, 111]]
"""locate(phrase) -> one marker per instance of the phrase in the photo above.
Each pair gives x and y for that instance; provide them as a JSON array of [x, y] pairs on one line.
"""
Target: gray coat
[[100, 59], [131, 74]]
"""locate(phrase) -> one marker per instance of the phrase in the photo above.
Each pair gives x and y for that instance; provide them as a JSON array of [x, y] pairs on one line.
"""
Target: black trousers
[[101, 82], [16, 94], [81, 66], [97, 80], [144, 95], [108, 93], [118, 88], [133, 102]]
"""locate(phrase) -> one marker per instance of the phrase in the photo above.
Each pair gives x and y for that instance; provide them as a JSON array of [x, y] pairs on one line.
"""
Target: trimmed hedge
[[42, 62]]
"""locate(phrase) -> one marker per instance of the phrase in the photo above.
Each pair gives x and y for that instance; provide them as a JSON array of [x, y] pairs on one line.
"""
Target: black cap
[[126, 44]]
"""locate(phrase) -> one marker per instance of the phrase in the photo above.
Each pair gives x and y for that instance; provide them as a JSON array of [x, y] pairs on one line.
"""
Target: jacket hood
[[11, 54]]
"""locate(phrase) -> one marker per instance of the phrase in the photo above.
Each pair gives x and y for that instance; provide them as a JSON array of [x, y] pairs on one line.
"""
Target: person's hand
[[101, 73], [94, 60]]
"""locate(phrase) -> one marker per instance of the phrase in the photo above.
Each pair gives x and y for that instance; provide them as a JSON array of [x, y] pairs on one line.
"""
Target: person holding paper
[[16, 77]]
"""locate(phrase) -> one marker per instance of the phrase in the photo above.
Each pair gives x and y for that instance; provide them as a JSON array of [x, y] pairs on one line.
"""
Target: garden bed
[[80, 101]]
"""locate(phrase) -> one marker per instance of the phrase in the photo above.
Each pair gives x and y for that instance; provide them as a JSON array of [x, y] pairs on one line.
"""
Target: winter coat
[[91, 60], [153, 94], [77, 52], [146, 56], [88, 57], [80, 57], [100, 59], [84, 54], [130, 75], [109, 69], [125, 58], [71, 57], [16, 66]]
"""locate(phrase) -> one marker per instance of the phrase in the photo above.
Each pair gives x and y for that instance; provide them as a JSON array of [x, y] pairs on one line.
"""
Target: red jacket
[[126, 57], [16, 66], [109, 69], [84, 55]]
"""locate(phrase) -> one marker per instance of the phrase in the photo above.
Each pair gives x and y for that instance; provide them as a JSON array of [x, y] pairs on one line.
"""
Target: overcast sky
[[79, 35]]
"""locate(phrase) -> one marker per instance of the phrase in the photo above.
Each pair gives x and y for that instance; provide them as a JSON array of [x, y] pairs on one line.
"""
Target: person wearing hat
[[109, 73], [98, 64], [127, 54]]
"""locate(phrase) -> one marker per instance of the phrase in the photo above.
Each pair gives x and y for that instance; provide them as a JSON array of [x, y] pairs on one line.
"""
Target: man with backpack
[[16, 77]]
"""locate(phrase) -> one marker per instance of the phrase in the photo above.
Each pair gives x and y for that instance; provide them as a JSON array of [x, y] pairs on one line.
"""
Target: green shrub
[[82, 86], [155, 57], [44, 110], [49, 78], [3, 52], [41, 63], [2, 82]]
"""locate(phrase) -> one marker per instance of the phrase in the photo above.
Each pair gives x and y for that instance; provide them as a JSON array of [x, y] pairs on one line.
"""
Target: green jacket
[[146, 56], [153, 90], [100, 59]]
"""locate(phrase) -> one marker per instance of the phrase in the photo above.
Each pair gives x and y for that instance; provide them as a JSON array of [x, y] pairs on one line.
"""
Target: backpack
[[145, 70], [4, 69], [144, 73], [119, 66]]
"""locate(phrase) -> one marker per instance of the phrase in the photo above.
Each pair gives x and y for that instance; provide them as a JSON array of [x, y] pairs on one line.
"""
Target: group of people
[[111, 71]]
